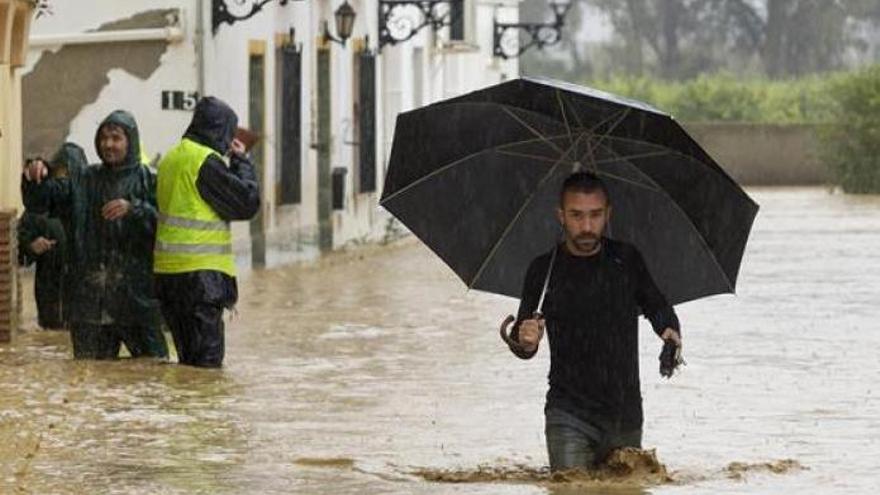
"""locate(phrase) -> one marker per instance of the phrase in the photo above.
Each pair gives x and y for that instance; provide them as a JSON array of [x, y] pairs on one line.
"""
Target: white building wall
[[226, 61]]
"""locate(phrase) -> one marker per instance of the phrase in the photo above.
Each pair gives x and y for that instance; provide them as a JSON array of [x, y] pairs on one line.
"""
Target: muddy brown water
[[376, 372]]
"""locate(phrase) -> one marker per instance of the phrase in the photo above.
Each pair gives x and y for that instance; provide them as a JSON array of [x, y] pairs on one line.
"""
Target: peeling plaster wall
[[68, 90]]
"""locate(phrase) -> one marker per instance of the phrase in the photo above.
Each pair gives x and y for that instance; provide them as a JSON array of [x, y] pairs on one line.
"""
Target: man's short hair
[[583, 182]]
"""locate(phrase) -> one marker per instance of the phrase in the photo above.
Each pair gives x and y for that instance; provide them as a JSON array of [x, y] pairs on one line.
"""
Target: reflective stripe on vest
[[188, 223], [168, 247], [191, 236]]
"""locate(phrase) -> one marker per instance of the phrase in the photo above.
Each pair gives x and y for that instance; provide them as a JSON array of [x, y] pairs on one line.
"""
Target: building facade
[[325, 111], [15, 21]]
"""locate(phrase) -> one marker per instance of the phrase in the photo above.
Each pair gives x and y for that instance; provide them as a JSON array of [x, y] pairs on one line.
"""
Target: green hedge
[[722, 97], [851, 142]]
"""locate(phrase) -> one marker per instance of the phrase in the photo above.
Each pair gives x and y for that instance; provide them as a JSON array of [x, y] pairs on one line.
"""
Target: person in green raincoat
[[43, 235], [111, 208]]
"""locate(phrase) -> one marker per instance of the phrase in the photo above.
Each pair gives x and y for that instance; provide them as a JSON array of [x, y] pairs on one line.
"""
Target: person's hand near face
[[237, 147]]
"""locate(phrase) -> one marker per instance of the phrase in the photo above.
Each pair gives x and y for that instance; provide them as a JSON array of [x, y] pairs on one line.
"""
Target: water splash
[[627, 467]]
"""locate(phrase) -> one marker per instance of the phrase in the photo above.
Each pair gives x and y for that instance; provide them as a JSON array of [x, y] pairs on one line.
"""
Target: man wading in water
[[205, 182], [594, 294], [110, 209]]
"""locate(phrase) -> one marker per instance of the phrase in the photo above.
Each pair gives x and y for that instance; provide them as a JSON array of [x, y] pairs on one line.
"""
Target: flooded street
[[367, 372]]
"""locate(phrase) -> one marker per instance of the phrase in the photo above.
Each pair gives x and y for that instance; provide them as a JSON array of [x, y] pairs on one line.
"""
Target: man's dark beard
[[114, 163], [580, 240], [584, 237]]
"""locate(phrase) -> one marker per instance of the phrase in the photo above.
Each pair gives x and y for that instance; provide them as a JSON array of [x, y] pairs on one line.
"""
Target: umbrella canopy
[[477, 179]]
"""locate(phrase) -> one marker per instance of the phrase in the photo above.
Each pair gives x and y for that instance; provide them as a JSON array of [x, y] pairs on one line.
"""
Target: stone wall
[[763, 154]]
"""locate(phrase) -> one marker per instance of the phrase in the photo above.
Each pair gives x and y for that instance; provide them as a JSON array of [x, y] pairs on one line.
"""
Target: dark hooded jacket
[[67, 167], [111, 261], [43, 218], [231, 190]]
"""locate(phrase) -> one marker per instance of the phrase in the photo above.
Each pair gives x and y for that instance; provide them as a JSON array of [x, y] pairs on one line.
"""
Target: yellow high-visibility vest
[[191, 236]]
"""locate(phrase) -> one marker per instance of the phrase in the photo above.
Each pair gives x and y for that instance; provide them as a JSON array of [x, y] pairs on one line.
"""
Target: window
[[256, 119], [462, 23], [366, 121], [290, 153], [257, 102], [457, 20]]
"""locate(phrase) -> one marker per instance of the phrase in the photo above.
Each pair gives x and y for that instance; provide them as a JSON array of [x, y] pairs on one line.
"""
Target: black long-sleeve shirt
[[591, 312]]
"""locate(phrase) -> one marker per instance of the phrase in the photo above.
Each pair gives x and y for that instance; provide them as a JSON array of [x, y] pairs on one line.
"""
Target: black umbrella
[[477, 179]]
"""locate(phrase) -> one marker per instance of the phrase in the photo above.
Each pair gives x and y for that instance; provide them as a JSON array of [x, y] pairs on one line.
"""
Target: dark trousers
[[198, 333], [92, 341], [192, 305], [48, 291], [573, 443]]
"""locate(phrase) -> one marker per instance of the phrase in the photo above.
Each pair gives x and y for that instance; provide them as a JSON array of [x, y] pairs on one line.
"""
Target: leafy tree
[[679, 39]]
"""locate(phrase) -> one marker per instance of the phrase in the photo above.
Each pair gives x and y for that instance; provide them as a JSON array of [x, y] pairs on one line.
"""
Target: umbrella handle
[[505, 336]]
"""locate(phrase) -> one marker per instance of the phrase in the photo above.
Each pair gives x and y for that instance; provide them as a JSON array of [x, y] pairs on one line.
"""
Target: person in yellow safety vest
[[204, 182]]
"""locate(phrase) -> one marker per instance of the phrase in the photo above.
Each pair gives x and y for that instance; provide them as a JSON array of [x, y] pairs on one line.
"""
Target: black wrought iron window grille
[[232, 11], [506, 36], [401, 20]]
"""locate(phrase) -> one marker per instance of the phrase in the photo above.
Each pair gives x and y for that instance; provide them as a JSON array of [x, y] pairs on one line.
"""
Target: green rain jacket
[[53, 285], [111, 261]]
